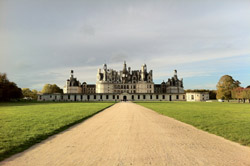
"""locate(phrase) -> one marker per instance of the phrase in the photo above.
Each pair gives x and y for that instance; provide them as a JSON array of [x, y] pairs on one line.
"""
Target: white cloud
[[40, 36]]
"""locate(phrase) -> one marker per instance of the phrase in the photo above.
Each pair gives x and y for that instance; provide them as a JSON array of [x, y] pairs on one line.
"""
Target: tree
[[26, 92], [8, 90], [3, 78], [29, 94], [49, 88], [237, 93], [224, 87], [246, 94], [212, 94], [241, 94], [34, 94]]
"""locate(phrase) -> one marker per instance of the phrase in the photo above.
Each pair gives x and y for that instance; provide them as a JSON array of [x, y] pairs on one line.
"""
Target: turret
[[72, 74], [124, 67], [175, 74], [98, 74], [144, 68], [181, 82], [129, 69], [143, 72], [104, 66]]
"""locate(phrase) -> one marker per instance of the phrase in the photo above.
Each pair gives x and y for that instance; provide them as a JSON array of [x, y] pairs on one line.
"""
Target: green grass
[[24, 124], [229, 120]]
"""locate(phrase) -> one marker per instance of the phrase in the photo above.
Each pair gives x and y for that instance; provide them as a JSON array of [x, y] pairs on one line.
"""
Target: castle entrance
[[124, 98]]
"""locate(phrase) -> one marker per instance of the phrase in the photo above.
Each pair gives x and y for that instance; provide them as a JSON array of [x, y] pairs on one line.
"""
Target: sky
[[42, 40]]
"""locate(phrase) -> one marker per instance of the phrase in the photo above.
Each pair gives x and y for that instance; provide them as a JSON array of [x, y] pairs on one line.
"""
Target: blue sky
[[42, 40]]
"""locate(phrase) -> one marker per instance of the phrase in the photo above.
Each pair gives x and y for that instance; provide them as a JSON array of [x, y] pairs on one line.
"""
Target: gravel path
[[129, 134]]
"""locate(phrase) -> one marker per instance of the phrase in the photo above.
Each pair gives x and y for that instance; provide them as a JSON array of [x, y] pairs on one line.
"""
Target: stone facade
[[73, 86], [111, 97], [173, 85], [126, 80], [126, 84]]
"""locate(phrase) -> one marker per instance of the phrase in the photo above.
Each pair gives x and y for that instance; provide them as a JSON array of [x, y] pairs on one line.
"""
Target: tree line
[[241, 94], [9, 91]]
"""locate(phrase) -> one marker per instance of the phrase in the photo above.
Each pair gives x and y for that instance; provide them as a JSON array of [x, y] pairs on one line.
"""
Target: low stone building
[[111, 97], [197, 96]]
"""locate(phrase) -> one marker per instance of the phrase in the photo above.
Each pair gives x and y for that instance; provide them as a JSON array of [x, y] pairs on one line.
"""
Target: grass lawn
[[229, 120], [24, 124]]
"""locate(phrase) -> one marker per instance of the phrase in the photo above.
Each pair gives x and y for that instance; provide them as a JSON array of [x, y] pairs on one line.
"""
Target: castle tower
[[72, 74], [124, 68], [175, 74], [104, 66], [98, 74], [105, 72], [143, 72]]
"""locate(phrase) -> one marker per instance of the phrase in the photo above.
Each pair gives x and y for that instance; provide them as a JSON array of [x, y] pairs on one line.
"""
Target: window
[[81, 97], [192, 97], [50, 96], [139, 97], [107, 96], [94, 96], [88, 97], [101, 97], [144, 97], [177, 97], [113, 96], [151, 97], [117, 96], [68, 96], [183, 97], [157, 97], [40, 97], [132, 97], [163, 96]]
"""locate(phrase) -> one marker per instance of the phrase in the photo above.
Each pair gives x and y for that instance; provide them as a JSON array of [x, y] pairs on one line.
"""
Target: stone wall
[[112, 97], [197, 96]]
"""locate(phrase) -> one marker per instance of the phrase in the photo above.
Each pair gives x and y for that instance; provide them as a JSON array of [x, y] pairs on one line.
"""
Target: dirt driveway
[[129, 134]]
